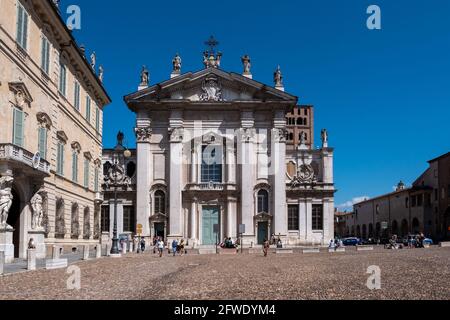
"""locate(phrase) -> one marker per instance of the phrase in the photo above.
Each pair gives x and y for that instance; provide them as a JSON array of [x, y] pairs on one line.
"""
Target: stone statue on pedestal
[[144, 76], [324, 138], [278, 77], [176, 64], [37, 212], [100, 73], [247, 64], [93, 60], [6, 199]]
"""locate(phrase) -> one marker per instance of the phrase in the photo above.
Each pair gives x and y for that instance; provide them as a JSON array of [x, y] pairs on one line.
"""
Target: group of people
[[178, 247], [228, 243], [335, 244]]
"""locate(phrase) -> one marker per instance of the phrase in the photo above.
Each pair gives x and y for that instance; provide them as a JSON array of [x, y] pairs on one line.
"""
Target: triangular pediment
[[210, 86]]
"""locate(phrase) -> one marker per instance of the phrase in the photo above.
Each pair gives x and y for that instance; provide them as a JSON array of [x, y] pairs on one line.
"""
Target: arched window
[[263, 201], [395, 227], [131, 169], [404, 228], [160, 202], [59, 220], [87, 224], [106, 168], [416, 226], [291, 136], [299, 121], [75, 226]]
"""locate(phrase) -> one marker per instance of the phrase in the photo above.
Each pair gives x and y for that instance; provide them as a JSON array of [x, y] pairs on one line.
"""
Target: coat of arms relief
[[212, 90]]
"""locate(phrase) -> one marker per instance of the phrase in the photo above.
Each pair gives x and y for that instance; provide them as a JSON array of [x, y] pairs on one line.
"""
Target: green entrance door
[[263, 229], [209, 219]]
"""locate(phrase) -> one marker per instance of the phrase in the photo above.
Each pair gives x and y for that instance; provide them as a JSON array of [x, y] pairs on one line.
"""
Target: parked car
[[351, 241]]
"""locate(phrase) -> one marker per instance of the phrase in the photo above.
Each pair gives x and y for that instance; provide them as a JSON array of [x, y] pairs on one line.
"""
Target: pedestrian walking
[[142, 245], [266, 247], [174, 247], [160, 248]]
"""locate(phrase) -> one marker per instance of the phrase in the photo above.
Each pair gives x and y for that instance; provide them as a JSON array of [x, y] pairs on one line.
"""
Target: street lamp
[[118, 176]]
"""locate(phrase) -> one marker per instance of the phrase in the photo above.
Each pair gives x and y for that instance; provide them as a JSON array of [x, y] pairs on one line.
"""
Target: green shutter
[[88, 109], [97, 119], [60, 164], [86, 173], [18, 128], [75, 167], [25, 29], [96, 180], [43, 142], [77, 96], [20, 25]]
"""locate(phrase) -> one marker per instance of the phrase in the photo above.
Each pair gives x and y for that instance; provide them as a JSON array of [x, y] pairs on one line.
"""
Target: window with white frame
[[263, 201], [211, 168], [75, 166]]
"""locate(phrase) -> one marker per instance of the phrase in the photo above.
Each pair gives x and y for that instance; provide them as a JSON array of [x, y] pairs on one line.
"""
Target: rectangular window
[[76, 101], [18, 120], [420, 200], [105, 219], [45, 55], [60, 159], [96, 174], [413, 201], [293, 217], [88, 109], [97, 119], [211, 164], [75, 167], [43, 142], [62, 78], [86, 173], [128, 219], [317, 217], [22, 26]]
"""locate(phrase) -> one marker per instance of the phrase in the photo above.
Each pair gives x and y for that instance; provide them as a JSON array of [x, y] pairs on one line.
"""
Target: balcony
[[211, 186], [19, 156]]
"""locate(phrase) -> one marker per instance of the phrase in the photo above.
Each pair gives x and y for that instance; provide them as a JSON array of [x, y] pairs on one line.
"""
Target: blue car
[[351, 242]]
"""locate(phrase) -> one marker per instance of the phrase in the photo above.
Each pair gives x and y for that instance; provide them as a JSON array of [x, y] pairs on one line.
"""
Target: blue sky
[[384, 95]]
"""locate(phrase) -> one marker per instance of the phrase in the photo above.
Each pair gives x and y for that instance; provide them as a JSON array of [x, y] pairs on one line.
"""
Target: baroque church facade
[[222, 155]]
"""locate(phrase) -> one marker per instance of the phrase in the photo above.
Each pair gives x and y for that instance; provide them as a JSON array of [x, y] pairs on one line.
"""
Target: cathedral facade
[[222, 155]]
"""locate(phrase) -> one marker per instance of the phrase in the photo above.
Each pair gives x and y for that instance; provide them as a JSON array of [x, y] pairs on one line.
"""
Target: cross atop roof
[[212, 43]]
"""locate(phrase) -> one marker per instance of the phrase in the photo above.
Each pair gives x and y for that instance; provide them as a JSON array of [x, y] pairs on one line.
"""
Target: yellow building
[[51, 109]]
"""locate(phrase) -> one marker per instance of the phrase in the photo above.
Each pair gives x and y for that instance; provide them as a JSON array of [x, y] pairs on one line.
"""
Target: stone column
[[231, 163], [246, 158], [231, 218], [303, 220], [193, 223], [31, 259], [194, 165], [175, 184], [278, 155], [143, 173], [309, 231], [2, 262]]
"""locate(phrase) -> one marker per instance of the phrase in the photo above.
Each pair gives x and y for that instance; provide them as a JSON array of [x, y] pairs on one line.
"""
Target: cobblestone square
[[405, 274]]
